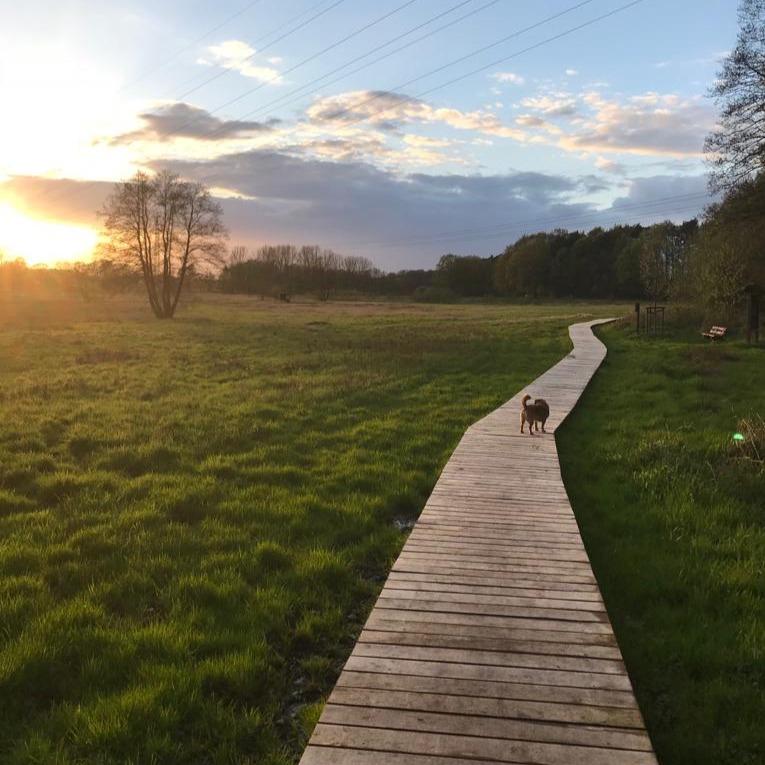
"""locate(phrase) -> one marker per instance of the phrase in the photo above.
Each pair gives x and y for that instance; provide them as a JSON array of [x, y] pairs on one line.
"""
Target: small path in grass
[[490, 642]]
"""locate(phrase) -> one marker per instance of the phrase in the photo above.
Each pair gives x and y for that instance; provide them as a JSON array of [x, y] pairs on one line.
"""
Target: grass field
[[196, 515], [673, 517]]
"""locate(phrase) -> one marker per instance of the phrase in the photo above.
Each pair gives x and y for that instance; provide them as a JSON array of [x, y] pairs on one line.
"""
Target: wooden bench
[[716, 333]]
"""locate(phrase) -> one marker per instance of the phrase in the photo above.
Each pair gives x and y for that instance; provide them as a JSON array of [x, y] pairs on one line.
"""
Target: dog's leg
[[523, 419]]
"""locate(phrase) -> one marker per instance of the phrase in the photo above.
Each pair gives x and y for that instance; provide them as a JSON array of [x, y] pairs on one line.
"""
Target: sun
[[43, 242]]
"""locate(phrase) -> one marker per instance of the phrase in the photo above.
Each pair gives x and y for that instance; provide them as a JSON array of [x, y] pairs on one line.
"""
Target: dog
[[534, 413]]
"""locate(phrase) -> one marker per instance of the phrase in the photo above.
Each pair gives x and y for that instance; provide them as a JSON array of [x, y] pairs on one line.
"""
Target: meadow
[[196, 515], [672, 512]]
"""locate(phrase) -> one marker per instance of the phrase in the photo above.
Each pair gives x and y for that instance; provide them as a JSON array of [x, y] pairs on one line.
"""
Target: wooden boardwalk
[[490, 642]]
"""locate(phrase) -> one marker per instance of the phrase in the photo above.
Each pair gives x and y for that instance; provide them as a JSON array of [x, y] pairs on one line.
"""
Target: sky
[[390, 129]]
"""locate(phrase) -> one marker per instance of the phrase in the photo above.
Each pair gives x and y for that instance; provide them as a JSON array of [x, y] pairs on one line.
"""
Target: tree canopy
[[737, 145]]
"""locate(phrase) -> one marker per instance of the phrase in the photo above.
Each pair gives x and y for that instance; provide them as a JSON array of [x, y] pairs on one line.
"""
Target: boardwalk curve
[[490, 642]]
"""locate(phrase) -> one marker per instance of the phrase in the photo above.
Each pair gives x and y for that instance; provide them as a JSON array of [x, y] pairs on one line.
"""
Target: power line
[[502, 230], [264, 36], [502, 60], [45, 195], [192, 44], [287, 34], [305, 61], [497, 62], [503, 227], [449, 64], [417, 40]]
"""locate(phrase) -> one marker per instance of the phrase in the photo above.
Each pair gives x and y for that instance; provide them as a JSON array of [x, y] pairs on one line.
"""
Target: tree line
[[285, 269], [709, 262]]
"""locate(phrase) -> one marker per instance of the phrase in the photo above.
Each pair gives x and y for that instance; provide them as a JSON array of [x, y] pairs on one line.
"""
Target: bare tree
[[166, 228], [237, 255], [355, 265], [737, 146]]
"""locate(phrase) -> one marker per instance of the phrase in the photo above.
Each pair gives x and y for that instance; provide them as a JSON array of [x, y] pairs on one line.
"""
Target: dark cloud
[[356, 207], [674, 188], [181, 120], [398, 221]]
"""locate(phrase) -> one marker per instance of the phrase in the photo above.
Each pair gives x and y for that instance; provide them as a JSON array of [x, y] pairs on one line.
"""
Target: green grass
[[673, 517], [196, 515]]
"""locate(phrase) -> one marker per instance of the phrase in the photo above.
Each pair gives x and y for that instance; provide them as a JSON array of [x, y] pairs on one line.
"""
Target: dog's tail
[[525, 399]]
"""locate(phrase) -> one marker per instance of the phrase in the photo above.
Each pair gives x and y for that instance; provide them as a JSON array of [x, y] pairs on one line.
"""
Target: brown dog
[[534, 413]]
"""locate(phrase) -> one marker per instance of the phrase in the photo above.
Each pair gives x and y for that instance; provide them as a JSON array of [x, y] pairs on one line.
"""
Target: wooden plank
[[612, 717], [400, 583], [490, 689], [591, 620], [326, 755], [421, 564], [510, 629], [480, 726], [532, 675], [449, 595], [489, 658], [483, 643], [490, 642], [499, 750]]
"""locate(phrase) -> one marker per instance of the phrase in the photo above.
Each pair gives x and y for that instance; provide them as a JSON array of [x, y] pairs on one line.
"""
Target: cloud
[[533, 122], [678, 195], [508, 77], [62, 200], [386, 110], [555, 105], [238, 56], [610, 166], [572, 72], [358, 208], [650, 124], [182, 120], [646, 124]]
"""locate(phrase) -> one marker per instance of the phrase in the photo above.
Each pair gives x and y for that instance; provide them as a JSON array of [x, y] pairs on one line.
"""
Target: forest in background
[[706, 263]]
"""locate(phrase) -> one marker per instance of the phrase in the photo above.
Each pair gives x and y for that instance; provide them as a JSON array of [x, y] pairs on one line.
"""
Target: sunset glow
[[43, 242]]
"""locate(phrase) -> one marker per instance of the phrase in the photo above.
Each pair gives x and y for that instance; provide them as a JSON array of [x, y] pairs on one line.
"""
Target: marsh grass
[[196, 516], [672, 512]]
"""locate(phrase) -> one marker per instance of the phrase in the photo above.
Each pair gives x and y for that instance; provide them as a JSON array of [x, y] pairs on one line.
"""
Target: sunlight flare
[[43, 242]]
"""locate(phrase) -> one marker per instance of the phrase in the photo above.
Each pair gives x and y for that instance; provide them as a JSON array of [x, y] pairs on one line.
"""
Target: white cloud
[[572, 72], [238, 55], [530, 120], [508, 77], [386, 110], [553, 105], [610, 166], [650, 124]]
